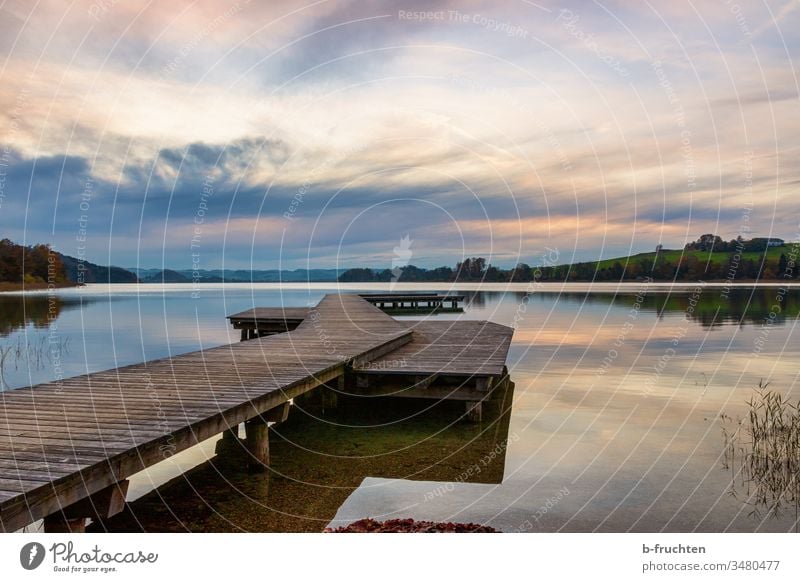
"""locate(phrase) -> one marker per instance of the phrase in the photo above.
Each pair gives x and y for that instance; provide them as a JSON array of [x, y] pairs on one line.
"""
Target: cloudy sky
[[293, 134]]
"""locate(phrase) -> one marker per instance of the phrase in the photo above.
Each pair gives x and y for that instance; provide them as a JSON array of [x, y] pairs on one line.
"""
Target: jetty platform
[[67, 448]]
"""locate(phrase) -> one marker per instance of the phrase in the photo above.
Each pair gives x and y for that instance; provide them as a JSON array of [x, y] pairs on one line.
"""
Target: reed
[[34, 353], [762, 450]]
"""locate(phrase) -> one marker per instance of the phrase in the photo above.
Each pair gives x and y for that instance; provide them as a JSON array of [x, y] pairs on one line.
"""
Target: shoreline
[[6, 287]]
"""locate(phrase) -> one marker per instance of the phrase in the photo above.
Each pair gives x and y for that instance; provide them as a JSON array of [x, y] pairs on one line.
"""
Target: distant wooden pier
[[67, 448], [401, 303]]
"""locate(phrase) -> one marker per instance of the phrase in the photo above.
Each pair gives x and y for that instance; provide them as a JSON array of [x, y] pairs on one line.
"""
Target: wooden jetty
[[68, 447]]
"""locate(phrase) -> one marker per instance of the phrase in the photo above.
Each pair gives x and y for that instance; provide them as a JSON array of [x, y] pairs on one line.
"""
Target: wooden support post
[[230, 447], [231, 434], [474, 411], [257, 441], [483, 383], [505, 380], [330, 398], [305, 400], [278, 414], [422, 382], [98, 506], [101, 505]]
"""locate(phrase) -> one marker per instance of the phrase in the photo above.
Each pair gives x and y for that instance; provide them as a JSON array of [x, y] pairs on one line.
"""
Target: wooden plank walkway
[[453, 348], [61, 442]]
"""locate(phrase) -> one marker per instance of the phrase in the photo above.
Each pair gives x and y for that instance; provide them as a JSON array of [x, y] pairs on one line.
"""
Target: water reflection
[[19, 311], [317, 463], [711, 306], [708, 306], [38, 350], [618, 402]]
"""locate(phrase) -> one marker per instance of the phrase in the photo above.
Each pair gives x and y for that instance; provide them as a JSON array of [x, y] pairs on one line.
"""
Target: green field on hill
[[691, 264], [715, 258]]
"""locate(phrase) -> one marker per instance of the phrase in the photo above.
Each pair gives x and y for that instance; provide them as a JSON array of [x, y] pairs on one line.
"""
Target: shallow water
[[615, 423]]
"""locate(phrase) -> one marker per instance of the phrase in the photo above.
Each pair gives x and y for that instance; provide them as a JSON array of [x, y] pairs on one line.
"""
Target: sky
[[289, 134]]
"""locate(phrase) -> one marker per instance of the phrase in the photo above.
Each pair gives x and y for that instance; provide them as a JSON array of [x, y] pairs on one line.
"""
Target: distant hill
[[688, 264], [166, 276], [39, 266], [93, 273], [240, 275], [85, 272], [707, 259]]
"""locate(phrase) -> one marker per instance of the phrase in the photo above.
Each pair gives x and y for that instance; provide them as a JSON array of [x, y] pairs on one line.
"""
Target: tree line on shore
[[684, 268], [715, 243], [709, 258], [471, 269], [30, 265], [658, 267]]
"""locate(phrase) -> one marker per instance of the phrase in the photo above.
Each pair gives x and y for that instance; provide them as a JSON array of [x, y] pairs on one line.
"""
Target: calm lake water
[[620, 404]]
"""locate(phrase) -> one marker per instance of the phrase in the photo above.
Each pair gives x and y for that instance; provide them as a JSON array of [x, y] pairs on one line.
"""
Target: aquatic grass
[[4, 353], [762, 450], [36, 354]]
